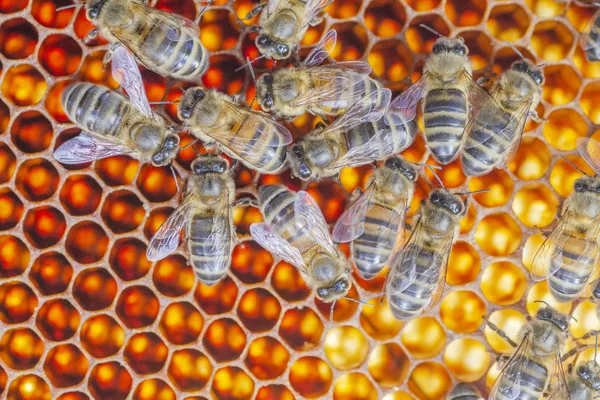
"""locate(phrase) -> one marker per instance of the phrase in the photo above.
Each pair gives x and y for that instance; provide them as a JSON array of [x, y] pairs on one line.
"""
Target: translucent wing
[[557, 385], [277, 245], [321, 50], [588, 44], [166, 239], [313, 9], [478, 97], [309, 215], [379, 146], [589, 150], [403, 263], [438, 274], [370, 108], [406, 103], [272, 6], [125, 71], [85, 148], [509, 383], [351, 223], [521, 118], [217, 241], [177, 27]]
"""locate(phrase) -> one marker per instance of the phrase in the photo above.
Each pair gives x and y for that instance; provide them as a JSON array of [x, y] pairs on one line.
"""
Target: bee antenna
[[187, 145], [163, 102], [512, 46], [596, 349], [202, 12], [249, 62], [543, 301], [435, 174], [572, 164], [430, 29], [69, 6], [181, 88], [331, 311], [175, 177], [473, 192], [358, 301]]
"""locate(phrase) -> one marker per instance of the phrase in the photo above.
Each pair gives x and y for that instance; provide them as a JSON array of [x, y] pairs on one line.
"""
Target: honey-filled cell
[[310, 376], [267, 358], [173, 276], [11, 209], [531, 160], [110, 380], [102, 336], [301, 328], [508, 22], [385, 18], [500, 187], [8, 163], [65, 365], [287, 281], [430, 381], [21, 348], [423, 337], [565, 126], [37, 179], [378, 321], [216, 299], [87, 242], [17, 302], [508, 320], [465, 13], [467, 359], [563, 175], [232, 383], [44, 226], [57, 319], [354, 386], [258, 310], [154, 389], [464, 264], [224, 340], [552, 40], [94, 289], [60, 55], [128, 259], [462, 311], [274, 392], [498, 234], [14, 256], [400, 395], [117, 171], [189, 369], [181, 323], [29, 387], [346, 347], [503, 283], [145, 353], [18, 38], [250, 262], [122, 211], [46, 13], [80, 195], [561, 84], [354, 44], [389, 365], [391, 60], [137, 306]]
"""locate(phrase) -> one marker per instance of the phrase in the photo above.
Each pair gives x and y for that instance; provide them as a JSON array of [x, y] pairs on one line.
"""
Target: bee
[[323, 90], [494, 132], [535, 367], [464, 391], [373, 221], [163, 42], [569, 256], [205, 213], [449, 93], [584, 384], [295, 230], [251, 137], [590, 38], [115, 125], [355, 138]]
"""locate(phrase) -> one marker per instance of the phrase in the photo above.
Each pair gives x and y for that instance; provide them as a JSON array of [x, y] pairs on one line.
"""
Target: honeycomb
[[85, 316]]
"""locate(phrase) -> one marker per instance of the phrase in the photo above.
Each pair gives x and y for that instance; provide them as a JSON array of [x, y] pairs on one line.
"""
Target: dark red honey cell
[[86, 242], [14, 256], [53, 101], [109, 380], [232, 383], [258, 310], [29, 387], [65, 365], [21, 348], [181, 323], [11, 6], [355, 41], [18, 38], [137, 307], [222, 74], [189, 370], [57, 319], [185, 8], [145, 353], [224, 339], [102, 336], [37, 179], [17, 302], [117, 171], [80, 194], [155, 219], [122, 211], [287, 281], [73, 396], [31, 132], [310, 377], [8, 163], [220, 30], [95, 289], [274, 392], [301, 328], [267, 358], [157, 184], [44, 226], [31, 83], [173, 276], [11, 209], [250, 262], [128, 259], [155, 388], [216, 299], [44, 12], [51, 273]]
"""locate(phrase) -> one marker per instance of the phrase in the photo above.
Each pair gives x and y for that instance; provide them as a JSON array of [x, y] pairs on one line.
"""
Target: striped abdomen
[[532, 384], [351, 85], [95, 108], [592, 41], [444, 119], [209, 258]]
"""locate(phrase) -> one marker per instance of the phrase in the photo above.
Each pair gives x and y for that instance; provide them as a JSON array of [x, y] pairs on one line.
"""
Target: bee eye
[[268, 79], [262, 40], [199, 168], [158, 159], [323, 292], [268, 103], [171, 142], [580, 187], [282, 49], [461, 50], [538, 78], [455, 208], [438, 48], [436, 198], [304, 171], [198, 95], [220, 167], [186, 113], [393, 163], [297, 150]]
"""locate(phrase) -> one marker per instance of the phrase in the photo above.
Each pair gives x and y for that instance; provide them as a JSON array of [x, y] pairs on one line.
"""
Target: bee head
[[335, 291], [451, 202], [587, 184], [276, 50], [533, 71], [558, 319], [93, 8], [589, 372], [167, 152], [264, 88], [191, 97], [208, 163], [298, 161], [401, 165], [448, 45]]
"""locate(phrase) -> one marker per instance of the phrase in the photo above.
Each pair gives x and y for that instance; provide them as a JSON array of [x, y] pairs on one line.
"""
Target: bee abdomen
[[208, 259], [532, 382], [445, 118], [574, 269], [593, 39]]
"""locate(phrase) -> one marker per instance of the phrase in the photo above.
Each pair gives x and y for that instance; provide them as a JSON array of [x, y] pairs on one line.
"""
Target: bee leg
[[535, 117], [246, 201], [91, 35], [108, 55], [502, 334], [503, 359], [317, 20], [254, 12]]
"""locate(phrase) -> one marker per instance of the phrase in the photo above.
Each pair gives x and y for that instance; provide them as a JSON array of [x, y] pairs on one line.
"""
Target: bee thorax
[[147, 137], [324, 268], [284, 25]]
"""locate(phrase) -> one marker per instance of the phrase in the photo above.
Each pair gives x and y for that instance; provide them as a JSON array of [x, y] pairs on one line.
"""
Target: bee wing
[[166, 239], [351, 223], [217, 241], [312, 9], [403, 263], [370, 108], [277, 245], [557, 385], [431, 273], [272, 6], [320, 51], [175, 25], [380, 145], [126, 72], [309, 215], [508, 384], [583, 38], [86, 148], [589, 150], [406, 102]]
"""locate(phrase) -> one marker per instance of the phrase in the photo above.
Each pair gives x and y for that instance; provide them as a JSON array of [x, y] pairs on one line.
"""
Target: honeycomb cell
[[80, 195], [8, 7], [310, 376], [258, 310], [31, 133], [464, 264], [181, 323], [94, 289], [122, 211], [189, 370], [451, 175], [243, 217], [462, 311], [53, 102], [510, 321], [552, 40], [385, 18], [18, 39], [60, 55], [21, 348], [423, 337], [584, 320], [354, 386], [216, 299], [535, 205], [539, 295], [232, 383], [4, 115], [220, 30], [354, 44], [44, 226], [343, 308], [429, 381], [561, 84], [391, 60], [3, 379], [426, 5], [565, 126], [65, 365], [287, 281], [37, 179], [274, 392], [57, 319], [508, 22], [155, 219], [467, 222], [86, 242], [532, 159], [117, 171], [222, 75], [14, 256], [346, 347], [398, 396], [145, 353], [498, 234], [23, 85], [301, 328], [102, 336], [29, 387], [8, 162], [153, 389], [156, 184], [44, 12], [17, 302], [224, 339], [465, 13], [388, 365], [73, 396], [467, 359], [172, 276], [109, 380], [250, 262], [531, 246], [503, 283], [331, 198], [11, 209], [378, 321], [267, 358], [419, 39], [500, 186], [563, 175], [128, 259], [137, 306]]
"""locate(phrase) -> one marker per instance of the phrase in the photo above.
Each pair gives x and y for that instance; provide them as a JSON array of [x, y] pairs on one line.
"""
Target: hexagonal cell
[[423, 337], [584, 320], [3, 379], [117, 171], [508, 22], [465, 13], [65, 365], [243, 217], [287, 281], [80, 195], [452, 175], [467, 359], [354, 386], [21, 348], [102, 336], [51, 273], [589, 69], [378, 321], [44, 226], [137, 306], [464, 264], [552, 40], [109, 380], [23, 85], [220, 30], [45, 13], [258, 310], [94, 289], [310, 376], [540, 294], [60, 55], [273, 392], [93, 70], [222, 75], [17, 302], [388, 365], [250, 262], [57, 319], [31, 132], [122, 211], [301, 328], [11, 209], [181, 323], [565, 125], [13, 6], [421, 40], [391, 60], [561, 85], [156, 184], [37, 179], [498, 234], [172, 276], [402, 395], [385, 18], [503, 283], [563, 175], [532, 159], [531, 246], [267, 358], [27, 386], [14, 256], [462, 311], [185, 7], [128, 259], [86, 242], [18, 39], [145, 353], [467, 222], [232, 383], [153, 389], [331, 198], [499, 184], [430, 380], [155, 219], [352, 41], [224, 339], [346, 347], [4, 114], [535, 205], [480, 48], [216, 299], [8, 163], [511, 322], [53, 102], [73, 396], [189, 370]]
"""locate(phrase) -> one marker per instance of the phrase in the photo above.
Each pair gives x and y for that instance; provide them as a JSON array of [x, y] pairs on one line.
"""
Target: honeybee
[[464, 391], [351, 140], [373, 221], [449, 93], [585, 383], [494, 132], [319, 89], [115, 125], [590, 38], [251, 137], [283, 23], [418, 271], [535, 367], [205, 212], [569, 256], [295, 230], [163, 42]]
